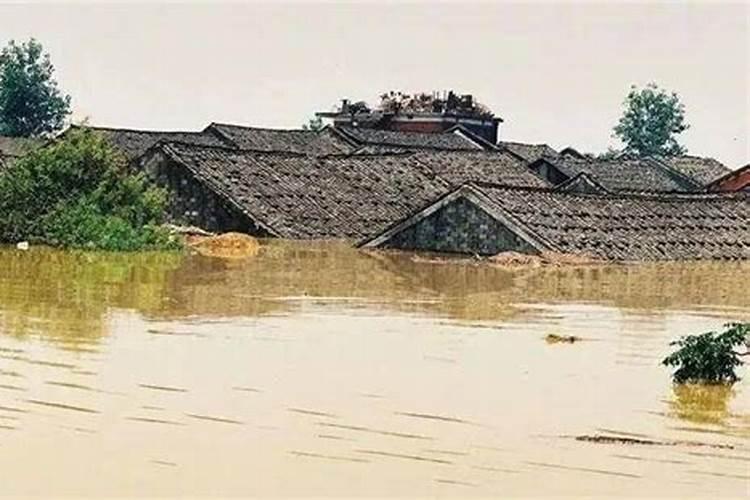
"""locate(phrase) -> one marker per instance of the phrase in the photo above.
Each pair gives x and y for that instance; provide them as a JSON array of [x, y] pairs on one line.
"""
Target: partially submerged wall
[[459, 227], [192, 203]]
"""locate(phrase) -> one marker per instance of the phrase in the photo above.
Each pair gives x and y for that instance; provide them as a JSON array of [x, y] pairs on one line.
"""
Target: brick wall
[[459, 227], [191, 203]]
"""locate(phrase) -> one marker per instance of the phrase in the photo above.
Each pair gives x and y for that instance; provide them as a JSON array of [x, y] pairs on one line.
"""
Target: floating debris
[[603, 439], [554, 338]]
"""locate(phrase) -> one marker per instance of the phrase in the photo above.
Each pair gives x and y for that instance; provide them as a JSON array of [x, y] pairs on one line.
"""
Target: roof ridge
[[229, 149], [140, 131], [640, 195], [269, 129], [527, 143]]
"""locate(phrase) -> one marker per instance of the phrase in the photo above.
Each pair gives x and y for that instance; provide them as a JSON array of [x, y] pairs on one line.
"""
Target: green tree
[[31, 104], [76, 193], [315, 124], [709, 357], [651, 121]]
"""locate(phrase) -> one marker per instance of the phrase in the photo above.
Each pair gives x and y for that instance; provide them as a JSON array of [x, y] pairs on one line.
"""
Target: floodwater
[[318, 370]]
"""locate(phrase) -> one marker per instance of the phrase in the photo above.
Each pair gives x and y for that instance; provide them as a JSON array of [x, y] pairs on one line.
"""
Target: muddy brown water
[[316, 370]]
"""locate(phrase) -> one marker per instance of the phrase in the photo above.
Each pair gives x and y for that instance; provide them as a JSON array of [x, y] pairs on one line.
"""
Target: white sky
[[556, 72]]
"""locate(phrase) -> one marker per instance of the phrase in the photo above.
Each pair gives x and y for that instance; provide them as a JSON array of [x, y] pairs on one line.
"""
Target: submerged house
[[293, 195], [486, 219]]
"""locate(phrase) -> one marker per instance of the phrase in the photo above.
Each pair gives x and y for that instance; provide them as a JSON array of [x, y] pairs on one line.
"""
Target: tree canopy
[[77, 193], [315, 123], [651, 121], [31, 104]]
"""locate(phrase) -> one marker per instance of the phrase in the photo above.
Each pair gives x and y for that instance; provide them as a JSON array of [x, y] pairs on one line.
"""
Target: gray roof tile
[[305, 197]]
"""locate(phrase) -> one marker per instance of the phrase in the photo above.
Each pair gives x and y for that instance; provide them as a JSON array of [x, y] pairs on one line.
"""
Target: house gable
[[460, 226]]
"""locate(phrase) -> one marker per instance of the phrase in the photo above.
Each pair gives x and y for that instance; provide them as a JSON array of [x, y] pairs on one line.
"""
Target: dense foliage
[[76, 193], [30, 102], [709, 357], [650, 122]]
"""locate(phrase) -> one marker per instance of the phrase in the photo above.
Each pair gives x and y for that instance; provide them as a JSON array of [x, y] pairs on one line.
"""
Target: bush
[[77, 193], [709, 357]]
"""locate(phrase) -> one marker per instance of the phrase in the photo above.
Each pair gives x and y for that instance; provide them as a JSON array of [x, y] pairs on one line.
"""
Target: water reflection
[[66, 296], [331, 372], [702, 404]]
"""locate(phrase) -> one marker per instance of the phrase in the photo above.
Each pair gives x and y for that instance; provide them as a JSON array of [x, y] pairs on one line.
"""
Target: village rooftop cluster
[[437, 179]]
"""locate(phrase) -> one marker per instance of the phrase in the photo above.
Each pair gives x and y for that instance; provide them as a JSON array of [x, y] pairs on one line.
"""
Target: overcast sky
[[556, 73]]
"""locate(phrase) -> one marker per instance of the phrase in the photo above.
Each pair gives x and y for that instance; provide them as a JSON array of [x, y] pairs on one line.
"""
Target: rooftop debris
[[226, 246], [554, 338], [434, 102]]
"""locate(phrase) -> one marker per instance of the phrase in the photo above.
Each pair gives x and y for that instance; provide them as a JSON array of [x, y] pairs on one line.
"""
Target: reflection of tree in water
[[648, 286], [701, 403], [64, 296]]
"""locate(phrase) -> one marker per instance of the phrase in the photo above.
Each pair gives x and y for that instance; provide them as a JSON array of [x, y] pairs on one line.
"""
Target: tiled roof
[[296, 140], [305, 197], [615, 227], [528, 152], [134, 143], [734, 180], [624, 174], [702, 170], [458, 167], [409, 140]]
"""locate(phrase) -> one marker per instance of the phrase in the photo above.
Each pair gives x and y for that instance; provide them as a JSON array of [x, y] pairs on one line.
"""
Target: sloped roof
[[734, 180], [702, 170], [305, 197], [410, 140], [528, 152], [458, 167], [624, 174], [616, 227], [290, 140], [134, 143], [581, 183]]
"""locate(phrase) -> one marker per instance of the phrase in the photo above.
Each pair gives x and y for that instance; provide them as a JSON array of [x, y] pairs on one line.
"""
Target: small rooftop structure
[[486, 219], [421, 112]]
